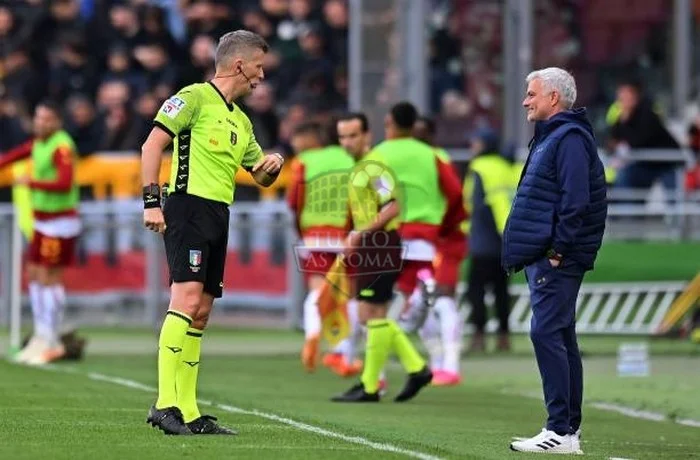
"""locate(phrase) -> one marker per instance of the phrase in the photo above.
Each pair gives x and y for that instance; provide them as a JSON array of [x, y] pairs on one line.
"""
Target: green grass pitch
[[96, 409]]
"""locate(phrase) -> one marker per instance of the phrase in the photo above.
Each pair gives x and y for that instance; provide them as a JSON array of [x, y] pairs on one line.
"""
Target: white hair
[[559, 80]]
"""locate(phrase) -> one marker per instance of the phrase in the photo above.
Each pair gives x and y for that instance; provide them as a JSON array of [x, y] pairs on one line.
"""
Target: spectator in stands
[[639, 127], [12, 33], [125, 27], [74, 72], [156, 31], [260, 106], [210, 17], [14, 126], [120, 66], [83, 125], [21, 81], [111, 94], [301, 16], [124, 130], [159, 71], [200, 66], [335, 14]]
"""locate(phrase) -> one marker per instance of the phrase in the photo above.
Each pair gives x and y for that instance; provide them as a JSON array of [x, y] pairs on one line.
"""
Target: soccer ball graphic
[[375, 176]]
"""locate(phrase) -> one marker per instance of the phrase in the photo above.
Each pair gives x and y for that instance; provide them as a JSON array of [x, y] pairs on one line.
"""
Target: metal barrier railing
[[121, 267]]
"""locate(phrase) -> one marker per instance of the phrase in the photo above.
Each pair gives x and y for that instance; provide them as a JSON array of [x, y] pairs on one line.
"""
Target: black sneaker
[[416, 381], [357, 394], [206, 424], [169, 420]]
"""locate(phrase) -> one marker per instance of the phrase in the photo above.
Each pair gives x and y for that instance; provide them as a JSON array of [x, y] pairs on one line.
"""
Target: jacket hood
[[577, 116]]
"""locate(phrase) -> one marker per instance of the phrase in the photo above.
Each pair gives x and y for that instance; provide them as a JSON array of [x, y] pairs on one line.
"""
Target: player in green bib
[[374, 252], [212, 139], [318, 196], [53, 198]]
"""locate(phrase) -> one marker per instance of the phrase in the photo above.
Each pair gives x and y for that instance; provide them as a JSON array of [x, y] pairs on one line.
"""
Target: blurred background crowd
[[111, 63]]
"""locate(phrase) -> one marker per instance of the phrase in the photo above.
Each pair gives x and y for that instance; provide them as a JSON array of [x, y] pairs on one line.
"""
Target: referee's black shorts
[[376, 266], [196, 239]]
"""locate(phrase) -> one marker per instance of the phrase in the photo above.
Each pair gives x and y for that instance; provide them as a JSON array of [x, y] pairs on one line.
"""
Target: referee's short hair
[[404, 115], [238, 42]]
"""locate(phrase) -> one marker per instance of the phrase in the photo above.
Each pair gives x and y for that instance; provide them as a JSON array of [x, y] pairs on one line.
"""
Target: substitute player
[[374, 253], [352, 131], [54, 200], [318, 197], [442, 334], [212, 139], [431, 189]]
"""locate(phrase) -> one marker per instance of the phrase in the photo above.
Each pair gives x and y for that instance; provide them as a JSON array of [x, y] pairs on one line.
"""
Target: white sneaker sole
[[550, 451]]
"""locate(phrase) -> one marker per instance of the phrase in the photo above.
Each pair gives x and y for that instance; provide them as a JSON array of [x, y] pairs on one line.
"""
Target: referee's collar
[[230, 106]]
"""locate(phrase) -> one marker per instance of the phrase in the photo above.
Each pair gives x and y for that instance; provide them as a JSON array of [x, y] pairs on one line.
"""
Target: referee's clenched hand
[[153, 219]]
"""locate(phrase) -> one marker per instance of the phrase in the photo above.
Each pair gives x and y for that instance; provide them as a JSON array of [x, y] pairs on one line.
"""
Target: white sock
[[60, 294], [349, 345], [451, 332], [312, 319], [51, 315], [35, 300], [411, 319], [430, 334]]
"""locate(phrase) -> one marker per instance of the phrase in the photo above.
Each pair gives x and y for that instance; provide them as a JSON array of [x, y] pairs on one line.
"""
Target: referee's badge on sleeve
[[173, 106]]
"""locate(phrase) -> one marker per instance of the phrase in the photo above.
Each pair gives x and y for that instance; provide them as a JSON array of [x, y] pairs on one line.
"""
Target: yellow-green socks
[[172, 337], [379, 341], [187, 371], [410, 359]]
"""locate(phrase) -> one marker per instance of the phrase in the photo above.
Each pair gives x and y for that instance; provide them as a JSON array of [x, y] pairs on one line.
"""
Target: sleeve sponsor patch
[[173, 106]]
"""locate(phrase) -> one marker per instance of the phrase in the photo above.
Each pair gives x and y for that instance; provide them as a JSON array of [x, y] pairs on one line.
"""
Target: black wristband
[[151, 196]]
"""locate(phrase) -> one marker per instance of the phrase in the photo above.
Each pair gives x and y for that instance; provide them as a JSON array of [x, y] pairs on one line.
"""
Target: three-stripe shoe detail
[[548, 444]]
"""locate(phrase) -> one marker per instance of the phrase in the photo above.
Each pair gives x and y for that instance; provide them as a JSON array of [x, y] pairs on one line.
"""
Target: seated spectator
[[200, 66], [259, 107], [83, 124], [123, 130], [159, 71], [639, 127], [120, 67]]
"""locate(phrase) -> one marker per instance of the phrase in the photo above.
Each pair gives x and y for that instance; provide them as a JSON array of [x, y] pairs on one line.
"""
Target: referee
[[212, 138]]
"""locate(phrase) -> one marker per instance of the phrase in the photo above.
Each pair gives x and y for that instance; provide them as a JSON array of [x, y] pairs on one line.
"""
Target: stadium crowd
[[111, 64]]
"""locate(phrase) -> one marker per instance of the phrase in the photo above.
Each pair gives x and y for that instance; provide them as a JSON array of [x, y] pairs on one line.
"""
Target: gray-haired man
[[554, 231]]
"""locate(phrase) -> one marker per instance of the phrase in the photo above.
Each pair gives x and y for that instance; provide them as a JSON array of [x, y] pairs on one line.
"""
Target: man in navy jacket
[[554, 232]]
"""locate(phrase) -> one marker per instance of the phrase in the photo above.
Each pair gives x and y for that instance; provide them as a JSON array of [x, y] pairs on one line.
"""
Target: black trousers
[[483, 272]]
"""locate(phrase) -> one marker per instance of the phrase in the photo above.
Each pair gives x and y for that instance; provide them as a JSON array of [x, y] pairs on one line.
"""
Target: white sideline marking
[[624, 410], [381, 446]]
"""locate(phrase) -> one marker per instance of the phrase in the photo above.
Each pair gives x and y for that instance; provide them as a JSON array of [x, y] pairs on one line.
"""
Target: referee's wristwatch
[[552, 254], [278, 155]]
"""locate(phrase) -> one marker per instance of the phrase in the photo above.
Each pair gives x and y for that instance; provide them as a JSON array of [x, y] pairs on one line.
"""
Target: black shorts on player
[[196, 240], [377, 265]]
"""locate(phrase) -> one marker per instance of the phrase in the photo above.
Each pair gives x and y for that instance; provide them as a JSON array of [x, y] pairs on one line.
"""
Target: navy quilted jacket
[[560, 203]]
